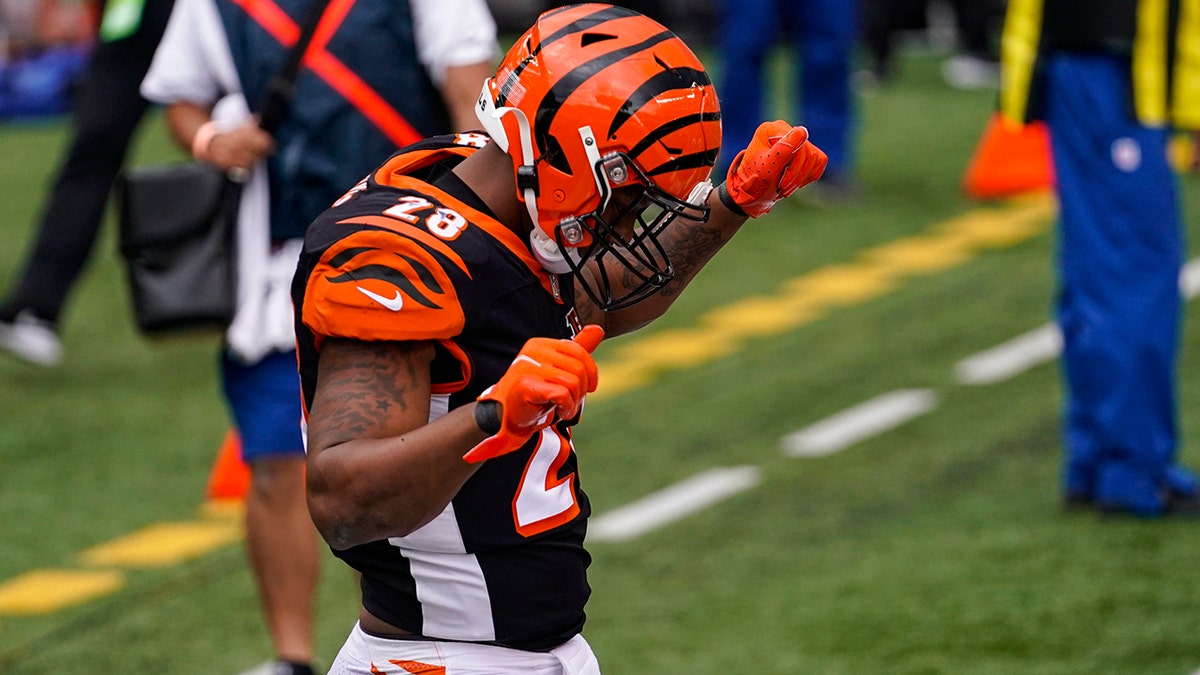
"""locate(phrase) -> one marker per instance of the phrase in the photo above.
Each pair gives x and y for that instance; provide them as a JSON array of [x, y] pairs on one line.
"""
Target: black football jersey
[[412, 254]]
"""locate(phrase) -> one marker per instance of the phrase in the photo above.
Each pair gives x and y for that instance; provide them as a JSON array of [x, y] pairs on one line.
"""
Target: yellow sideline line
[[803, 299], [46, 591], [163, 544], [99, 573]]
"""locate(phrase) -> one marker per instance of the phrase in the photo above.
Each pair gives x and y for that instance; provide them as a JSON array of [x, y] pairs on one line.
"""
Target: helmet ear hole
[[555, 156], [589, 39]]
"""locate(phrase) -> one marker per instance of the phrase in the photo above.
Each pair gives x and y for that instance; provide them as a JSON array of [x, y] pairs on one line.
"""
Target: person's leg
[[281, 541], [976, 63], [826, 31], [282, 544], [748, 29], [108, 108], [878, 36], [976, 23], [1120, 252]]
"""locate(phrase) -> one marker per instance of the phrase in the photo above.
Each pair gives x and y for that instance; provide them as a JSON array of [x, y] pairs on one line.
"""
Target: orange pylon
[[1011, 159], [230, 477]]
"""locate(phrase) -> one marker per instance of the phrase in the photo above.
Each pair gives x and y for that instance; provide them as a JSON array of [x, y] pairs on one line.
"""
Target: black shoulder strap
[[279, 91]]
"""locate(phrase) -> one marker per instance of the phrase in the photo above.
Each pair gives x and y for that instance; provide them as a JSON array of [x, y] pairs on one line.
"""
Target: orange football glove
[[548, 378], [778, 161]]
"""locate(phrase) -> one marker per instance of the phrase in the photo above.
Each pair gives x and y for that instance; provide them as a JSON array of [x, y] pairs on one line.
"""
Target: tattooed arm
[[377, 467], [689, 244]]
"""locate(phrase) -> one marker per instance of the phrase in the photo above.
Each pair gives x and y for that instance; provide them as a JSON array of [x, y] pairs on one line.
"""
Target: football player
[[447, 308]]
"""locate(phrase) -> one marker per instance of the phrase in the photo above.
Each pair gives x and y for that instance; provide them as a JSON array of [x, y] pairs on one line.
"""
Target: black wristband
[[487, 417], [727, 200]]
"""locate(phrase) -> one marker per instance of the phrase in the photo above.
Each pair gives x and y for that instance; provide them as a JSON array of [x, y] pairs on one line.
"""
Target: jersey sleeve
[[378, 285]]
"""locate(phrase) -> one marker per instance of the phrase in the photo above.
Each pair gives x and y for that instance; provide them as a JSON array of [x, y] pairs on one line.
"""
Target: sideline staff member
[[1110, 77]]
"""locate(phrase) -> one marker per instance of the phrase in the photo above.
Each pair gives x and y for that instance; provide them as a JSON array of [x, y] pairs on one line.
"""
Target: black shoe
[[1077, 501], [290, 668], [1183, 506], [1175, 507]]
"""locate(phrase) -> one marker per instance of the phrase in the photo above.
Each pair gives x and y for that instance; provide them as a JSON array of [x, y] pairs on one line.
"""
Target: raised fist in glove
[[547, 380], [778, 161]]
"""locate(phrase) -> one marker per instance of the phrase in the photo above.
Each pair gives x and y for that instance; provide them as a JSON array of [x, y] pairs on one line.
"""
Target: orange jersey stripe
[[401, 164], [393, 173], [485, 222], [372, 286], [412, 233]]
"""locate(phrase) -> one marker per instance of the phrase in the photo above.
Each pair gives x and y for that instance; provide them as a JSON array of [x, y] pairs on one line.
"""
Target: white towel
[[262, 323]]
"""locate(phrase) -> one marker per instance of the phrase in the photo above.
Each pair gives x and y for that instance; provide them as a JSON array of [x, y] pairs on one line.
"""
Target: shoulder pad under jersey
[[384, 284], [413, 158]]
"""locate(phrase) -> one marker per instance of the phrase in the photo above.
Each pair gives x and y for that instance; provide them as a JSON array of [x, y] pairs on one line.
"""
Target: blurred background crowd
[[44, 44]]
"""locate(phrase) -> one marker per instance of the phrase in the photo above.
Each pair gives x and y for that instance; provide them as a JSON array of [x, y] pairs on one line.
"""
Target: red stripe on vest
[[332, 71]]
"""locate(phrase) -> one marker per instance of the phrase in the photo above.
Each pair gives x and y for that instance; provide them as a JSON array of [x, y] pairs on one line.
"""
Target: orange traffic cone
[[230, 477], [1011, 159]]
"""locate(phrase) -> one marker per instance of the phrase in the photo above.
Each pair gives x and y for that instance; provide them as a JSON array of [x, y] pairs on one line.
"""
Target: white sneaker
[[969, 73], [267, 668], [32, 339]]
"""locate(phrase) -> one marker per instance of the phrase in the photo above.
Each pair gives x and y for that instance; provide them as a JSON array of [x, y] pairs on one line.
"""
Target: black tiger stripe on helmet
[[587, 23], [595, 84]]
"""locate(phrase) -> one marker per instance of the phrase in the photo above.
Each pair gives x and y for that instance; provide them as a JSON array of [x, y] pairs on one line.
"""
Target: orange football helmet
[[595, 101]]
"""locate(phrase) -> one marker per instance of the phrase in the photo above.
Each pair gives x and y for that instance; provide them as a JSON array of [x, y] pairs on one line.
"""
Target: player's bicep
[[369, 390]]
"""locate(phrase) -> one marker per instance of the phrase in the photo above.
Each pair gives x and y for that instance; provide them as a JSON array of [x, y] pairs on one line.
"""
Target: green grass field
[[937, 547]]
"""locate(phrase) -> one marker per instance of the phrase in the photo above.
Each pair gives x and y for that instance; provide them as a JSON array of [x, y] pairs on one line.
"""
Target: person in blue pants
[[1120, 252], [825, 34], [1121, 245]]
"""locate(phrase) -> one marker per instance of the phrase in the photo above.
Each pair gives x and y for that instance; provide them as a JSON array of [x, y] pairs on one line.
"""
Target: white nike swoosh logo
[[393, 304]]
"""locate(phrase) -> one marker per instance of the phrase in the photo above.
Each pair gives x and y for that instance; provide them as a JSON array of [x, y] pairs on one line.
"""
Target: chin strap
[[545, 249], [548, 253], [699, 193], [491, 118]]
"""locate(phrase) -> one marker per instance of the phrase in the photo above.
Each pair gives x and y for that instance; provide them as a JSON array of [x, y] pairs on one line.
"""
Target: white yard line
[[1011, 358], [672, 503], [1040, 345], [864, 420]]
